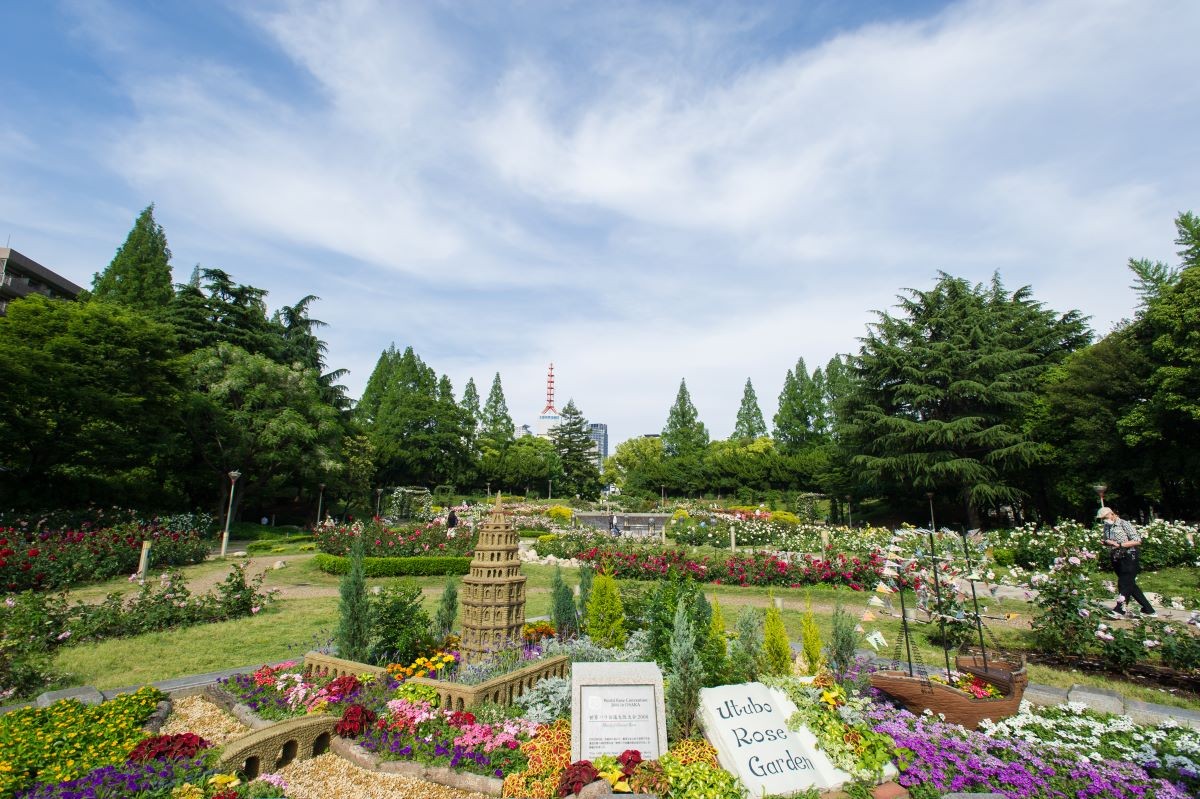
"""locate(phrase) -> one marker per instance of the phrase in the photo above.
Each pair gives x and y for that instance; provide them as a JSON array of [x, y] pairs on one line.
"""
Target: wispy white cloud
[[644, 193]]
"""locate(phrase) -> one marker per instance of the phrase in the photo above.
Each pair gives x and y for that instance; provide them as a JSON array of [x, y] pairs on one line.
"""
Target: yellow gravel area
[[197, 714], [330, 777], [324, 777]]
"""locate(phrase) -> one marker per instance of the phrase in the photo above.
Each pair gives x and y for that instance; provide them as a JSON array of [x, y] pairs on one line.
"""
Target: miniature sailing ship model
[[913, 687]]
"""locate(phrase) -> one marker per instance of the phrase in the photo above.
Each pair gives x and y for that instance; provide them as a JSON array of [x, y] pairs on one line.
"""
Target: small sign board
[[617, 706], [747, 724]]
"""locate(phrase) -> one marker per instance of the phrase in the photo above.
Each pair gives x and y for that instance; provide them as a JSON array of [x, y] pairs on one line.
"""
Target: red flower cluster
[[576, 776], [44, 558], [354, 721], [629, 760], [168, 747]]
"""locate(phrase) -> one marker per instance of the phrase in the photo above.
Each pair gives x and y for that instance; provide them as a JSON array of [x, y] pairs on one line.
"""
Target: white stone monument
[[617, 706], [747, 724]]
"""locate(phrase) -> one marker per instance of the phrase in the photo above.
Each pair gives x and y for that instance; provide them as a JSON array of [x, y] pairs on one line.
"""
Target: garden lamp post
[[932, 523], [233, 478], [320, 501], [1100, 489], [663, 499], [849, 515], [378, 500]]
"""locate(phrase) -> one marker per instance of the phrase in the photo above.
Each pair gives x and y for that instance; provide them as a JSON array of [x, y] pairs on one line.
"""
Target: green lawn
[[298, 624]]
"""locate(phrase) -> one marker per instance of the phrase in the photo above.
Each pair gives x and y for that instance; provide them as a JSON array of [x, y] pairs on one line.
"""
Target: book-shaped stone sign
[[747, 724], [617, 706]]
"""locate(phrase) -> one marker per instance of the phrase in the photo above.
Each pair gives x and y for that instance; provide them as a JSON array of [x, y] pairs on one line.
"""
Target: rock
[[348, 750], [239, 554], [597, 788], [280, 564], [84, 693]]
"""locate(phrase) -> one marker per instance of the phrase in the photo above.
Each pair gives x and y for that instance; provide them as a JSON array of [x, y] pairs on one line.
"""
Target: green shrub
[[277, 544], [354, 610], [810, 638], [605, 616], [686, 677], [1003, 556], [396, 567], [785, 517], [843, 641], [777, 651], [401, 630], [745, 651], [560, 514]]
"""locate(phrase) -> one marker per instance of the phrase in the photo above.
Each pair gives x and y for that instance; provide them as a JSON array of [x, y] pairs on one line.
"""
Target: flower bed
[[418, 730], [40, 558], [1164, 543], [68, 739], [432, 538], [755, 568], [286, 691], [942, 758]]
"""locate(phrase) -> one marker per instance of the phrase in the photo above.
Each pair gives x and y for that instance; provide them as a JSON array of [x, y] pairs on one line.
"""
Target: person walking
[[452, 520], [1123, 541]]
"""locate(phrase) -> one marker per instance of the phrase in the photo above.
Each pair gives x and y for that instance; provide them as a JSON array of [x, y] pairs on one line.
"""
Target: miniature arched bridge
[[272, 748]]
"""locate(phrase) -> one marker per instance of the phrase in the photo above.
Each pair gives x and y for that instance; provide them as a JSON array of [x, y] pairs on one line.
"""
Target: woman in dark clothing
[[452, 520], [1123, 541]]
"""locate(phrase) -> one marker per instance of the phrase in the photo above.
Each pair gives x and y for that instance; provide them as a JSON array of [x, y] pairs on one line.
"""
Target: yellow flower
[[223, 781], [187, 791]]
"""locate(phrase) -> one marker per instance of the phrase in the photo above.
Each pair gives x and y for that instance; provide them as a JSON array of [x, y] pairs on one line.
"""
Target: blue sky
[[638, 192]]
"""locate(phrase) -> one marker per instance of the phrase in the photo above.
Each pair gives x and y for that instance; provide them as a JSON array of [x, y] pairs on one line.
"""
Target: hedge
[[396, 567]]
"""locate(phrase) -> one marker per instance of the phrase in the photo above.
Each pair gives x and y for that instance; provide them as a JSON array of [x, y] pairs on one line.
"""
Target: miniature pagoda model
[[493, 594]]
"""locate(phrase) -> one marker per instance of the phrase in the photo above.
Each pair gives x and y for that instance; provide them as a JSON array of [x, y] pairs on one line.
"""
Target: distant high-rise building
[[598, 431], [549, 418], [20, 276]]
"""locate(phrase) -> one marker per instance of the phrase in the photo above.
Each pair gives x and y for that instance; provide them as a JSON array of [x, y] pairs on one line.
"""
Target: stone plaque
[[617, 706], [748, 726]]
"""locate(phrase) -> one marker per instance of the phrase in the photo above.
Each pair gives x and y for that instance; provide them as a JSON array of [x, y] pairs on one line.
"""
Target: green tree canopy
[[263, 419], [419, 432], [576, 453], [943, 386], [470, 403], [749, 424], [685, 440], [92, 401], [139, 275]]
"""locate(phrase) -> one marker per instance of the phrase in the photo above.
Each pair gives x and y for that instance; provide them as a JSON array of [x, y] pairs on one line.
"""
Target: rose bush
[[431, 538]]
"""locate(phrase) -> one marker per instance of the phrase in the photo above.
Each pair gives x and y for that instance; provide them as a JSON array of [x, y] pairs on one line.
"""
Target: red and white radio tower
[[550, 393]]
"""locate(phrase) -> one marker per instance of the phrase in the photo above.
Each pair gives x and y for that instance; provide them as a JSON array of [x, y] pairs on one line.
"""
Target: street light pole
[[932, 524], [320, 500], [233, 478]]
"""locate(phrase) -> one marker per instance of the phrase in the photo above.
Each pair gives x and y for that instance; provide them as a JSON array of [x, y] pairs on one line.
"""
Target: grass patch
[[286, 632]]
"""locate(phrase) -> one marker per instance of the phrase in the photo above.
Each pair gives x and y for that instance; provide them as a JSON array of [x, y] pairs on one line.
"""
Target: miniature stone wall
[[273, 747], [501, 690]]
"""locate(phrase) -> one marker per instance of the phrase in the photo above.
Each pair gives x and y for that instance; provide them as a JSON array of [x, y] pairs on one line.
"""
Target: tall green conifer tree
[[576, 453], [139, 275], [750, 424]]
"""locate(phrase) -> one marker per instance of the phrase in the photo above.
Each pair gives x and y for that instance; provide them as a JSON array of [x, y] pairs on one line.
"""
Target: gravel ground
[[196, 714], [330, 777], [325, 777]]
